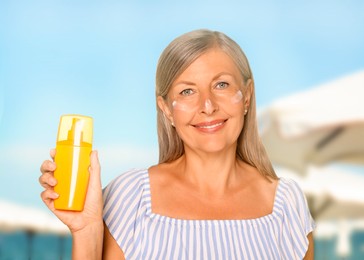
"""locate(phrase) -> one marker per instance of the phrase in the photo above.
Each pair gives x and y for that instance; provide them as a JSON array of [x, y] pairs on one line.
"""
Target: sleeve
[[302, 208], [298, 222], [122, 201]]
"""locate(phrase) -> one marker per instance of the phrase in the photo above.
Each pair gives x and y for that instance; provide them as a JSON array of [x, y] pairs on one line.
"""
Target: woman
[[214, 193]]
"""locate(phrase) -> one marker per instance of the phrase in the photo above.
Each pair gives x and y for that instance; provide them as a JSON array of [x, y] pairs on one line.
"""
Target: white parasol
[[318, 126], [332, 192]]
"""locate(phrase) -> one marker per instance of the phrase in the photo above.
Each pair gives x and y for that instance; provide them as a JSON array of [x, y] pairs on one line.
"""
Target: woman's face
[[206, 103]]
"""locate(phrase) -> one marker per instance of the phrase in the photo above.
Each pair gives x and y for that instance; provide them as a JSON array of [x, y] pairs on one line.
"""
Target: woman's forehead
[[213, 64]]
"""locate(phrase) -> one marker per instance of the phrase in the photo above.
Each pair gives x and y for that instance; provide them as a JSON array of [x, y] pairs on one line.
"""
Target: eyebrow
[[224, 74], [184, 82]]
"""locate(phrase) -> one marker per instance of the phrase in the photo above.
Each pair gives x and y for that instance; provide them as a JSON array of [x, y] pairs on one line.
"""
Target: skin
[[310, 254], [211, 85], [207, 182]]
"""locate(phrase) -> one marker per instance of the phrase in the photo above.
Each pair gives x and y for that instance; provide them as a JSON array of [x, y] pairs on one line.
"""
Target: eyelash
[[224, 83], [183, 92]]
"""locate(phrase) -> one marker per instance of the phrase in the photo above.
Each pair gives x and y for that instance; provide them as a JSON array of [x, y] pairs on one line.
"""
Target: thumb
[[95, 169]]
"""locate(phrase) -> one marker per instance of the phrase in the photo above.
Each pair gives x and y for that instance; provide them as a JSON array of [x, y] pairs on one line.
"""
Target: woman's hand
[[91, 216]]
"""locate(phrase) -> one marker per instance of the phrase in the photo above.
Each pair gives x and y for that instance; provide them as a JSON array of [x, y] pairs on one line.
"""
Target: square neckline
[[202, 222]]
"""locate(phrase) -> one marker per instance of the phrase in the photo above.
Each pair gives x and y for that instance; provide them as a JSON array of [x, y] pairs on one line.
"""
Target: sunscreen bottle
[[73, 149]]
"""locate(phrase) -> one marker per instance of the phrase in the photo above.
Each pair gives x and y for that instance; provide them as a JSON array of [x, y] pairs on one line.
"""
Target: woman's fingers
[[47, 166], [47, 180], [52, 153], [48, 196]]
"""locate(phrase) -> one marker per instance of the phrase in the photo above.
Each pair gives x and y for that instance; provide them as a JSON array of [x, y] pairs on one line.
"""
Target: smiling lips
[[209, 127]]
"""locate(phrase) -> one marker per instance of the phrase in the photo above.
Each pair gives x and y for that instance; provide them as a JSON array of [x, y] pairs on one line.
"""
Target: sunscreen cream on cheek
[[237, 97], [179, 106]]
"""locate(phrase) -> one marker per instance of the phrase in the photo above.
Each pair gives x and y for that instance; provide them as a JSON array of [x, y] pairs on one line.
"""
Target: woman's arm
[[310, 251], [111, 247], [87, 243]]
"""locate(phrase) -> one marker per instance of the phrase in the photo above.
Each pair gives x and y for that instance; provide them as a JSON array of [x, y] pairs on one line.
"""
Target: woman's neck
[[211, 172]]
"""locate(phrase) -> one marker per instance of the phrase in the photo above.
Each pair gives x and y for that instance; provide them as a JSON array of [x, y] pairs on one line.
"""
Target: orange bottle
[[74, 145]]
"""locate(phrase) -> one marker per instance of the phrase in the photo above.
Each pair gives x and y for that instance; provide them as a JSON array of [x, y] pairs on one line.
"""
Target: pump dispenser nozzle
[[75, 130], [75, 134]]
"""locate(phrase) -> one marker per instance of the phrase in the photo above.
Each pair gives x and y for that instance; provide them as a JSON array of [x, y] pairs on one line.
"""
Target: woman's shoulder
[[293, 203], [291, 194], [130, 175], [125, 200], [162, 175], [290, 187], [135, 178]]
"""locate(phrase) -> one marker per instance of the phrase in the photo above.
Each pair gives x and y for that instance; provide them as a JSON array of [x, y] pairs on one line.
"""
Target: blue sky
[[98, 59]]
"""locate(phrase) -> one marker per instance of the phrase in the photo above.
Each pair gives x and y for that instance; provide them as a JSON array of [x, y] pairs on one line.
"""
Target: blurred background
[[99, 58]]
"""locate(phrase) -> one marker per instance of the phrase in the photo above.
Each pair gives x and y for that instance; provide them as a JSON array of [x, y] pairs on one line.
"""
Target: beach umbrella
[[332, 192], [318, 126]]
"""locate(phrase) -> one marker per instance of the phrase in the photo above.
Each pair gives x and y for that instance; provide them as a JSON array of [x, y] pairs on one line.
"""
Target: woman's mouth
[[210, 126]]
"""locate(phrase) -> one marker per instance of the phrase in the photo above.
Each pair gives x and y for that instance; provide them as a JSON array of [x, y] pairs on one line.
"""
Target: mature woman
[[214, 193]]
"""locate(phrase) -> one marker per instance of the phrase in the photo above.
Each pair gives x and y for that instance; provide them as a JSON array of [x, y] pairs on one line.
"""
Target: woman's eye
[[186, 92], [222, 85]]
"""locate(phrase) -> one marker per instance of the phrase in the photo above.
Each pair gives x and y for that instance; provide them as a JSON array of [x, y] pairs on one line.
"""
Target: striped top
[[142, 234]]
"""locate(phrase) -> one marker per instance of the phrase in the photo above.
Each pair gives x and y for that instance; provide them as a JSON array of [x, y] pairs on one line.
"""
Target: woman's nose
[[208, 105]]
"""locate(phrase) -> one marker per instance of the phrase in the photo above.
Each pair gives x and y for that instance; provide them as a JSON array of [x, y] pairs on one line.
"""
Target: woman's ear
[[248, 93], [162, 104]]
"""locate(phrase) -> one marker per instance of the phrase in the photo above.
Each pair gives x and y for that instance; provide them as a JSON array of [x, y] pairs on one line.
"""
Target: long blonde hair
[[176, 57]]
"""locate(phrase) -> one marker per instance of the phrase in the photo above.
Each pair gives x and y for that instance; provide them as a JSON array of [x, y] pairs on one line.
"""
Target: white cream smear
[[237, 97], [208, 104], [179, 106]]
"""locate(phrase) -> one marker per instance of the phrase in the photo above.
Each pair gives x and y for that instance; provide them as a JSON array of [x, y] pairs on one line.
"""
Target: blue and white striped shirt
[[142, 234]]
